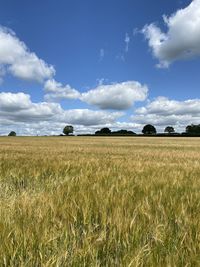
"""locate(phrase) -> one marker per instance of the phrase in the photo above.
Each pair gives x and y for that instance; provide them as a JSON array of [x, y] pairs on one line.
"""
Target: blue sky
[[114, 63]]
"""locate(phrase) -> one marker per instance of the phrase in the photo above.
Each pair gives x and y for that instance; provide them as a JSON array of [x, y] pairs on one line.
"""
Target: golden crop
[[97, 201]]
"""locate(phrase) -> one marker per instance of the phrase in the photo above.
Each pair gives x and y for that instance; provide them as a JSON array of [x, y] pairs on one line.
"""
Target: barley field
[[99, 201]]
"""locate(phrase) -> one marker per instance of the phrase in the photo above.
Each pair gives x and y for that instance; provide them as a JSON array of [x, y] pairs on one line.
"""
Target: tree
[[123, 132], [169, 130], [193, 129], [68, 129], [12, 133], [103, 131], [149, 129]]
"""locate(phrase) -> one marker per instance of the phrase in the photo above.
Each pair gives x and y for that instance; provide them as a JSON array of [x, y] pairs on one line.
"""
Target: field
[[86, 201]]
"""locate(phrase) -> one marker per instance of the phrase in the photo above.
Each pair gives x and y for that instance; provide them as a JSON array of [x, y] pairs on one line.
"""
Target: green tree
[[69, 129], [12, 133], [103, 131], [149, 129], [193, 129], [123, 132], [169, 130]]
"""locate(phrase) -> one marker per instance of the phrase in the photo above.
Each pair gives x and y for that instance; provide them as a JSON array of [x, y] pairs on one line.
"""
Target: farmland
[[99, 201]]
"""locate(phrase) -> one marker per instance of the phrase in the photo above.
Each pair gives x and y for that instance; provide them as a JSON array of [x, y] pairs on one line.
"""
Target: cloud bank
[[18, 112], [163, 111], [18, 109]]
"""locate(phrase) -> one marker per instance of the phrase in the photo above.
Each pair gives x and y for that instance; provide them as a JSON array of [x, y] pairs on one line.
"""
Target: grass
[[100, 201]]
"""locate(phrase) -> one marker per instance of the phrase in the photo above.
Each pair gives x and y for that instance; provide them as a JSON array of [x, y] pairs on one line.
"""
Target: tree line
[[190, 130], [148, 129]]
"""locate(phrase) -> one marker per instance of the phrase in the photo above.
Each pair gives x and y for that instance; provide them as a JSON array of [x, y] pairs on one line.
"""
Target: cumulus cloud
[[11, 102], [118, 96], [89, 117], [16, 58], [56, 91], [181, 41], [18, 110], [164, 106], [163, 111]]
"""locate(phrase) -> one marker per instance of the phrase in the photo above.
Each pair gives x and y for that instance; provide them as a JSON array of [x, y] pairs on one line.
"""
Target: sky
[[98, 63]]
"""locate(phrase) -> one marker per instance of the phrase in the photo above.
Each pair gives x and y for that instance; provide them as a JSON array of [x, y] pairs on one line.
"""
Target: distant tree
[[169, 130], [12, 133], [131, 132], [103, 131], [123, 132], [149, 129], [193, 129], [68, 129]]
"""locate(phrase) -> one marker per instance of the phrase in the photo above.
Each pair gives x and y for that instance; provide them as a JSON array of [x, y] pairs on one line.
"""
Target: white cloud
[[17, 110], [118, 96], [127, 41], [181, 41], [165, 107], [19, 61], [88, 117], [56, 91], [11, 102], [164, 112]]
